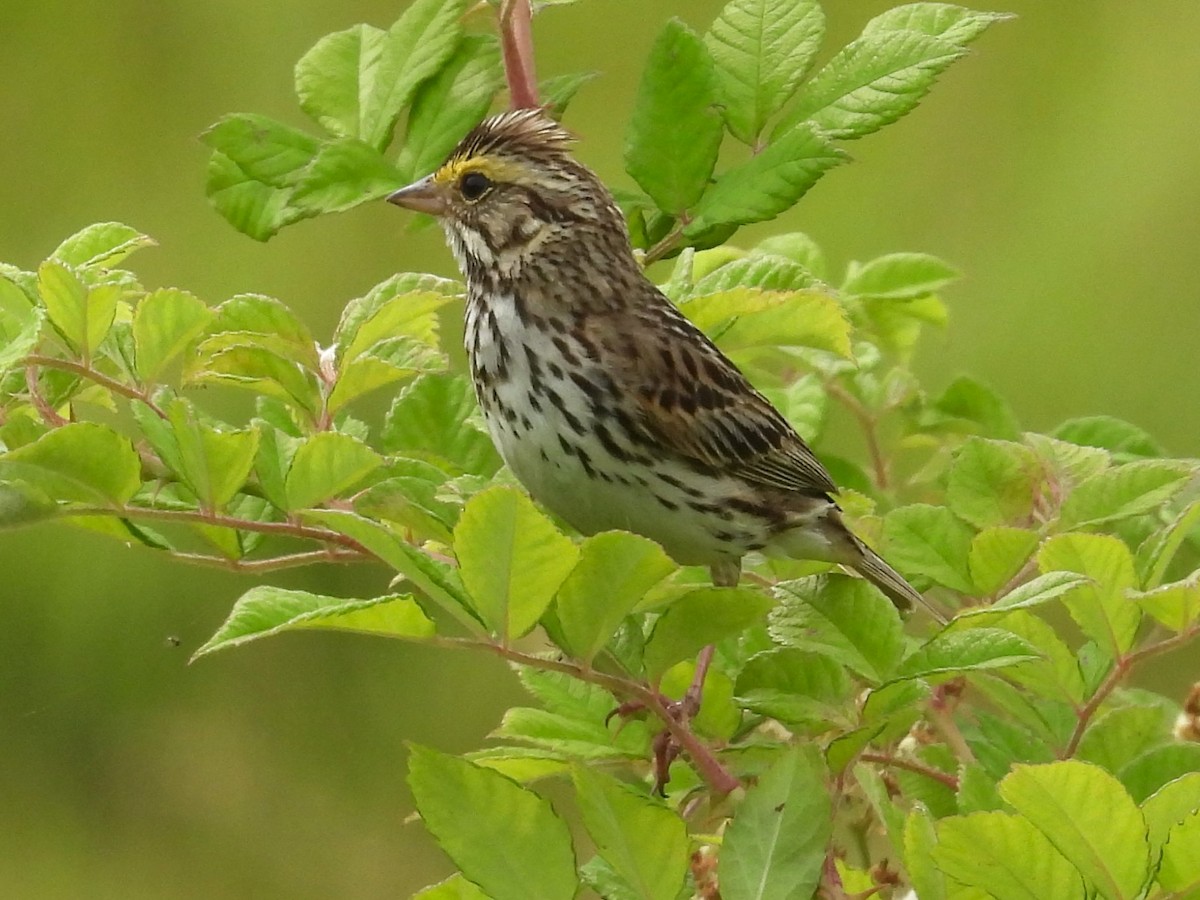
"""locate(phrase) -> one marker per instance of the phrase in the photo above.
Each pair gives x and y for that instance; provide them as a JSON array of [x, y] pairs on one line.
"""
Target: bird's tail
[[871, 566]]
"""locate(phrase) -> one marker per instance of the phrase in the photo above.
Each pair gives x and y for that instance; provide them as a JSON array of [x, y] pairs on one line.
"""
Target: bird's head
[[511, 190]]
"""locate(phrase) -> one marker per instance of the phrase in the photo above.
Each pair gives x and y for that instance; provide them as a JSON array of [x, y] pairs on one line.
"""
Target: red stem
[[516, 42]]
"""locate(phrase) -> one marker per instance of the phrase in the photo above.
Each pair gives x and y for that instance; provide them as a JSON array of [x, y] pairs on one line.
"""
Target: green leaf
[[794, 686], [327, 465], [512, 559], [775, 847], [81, 314], [765, 271], [1005, 855], [166, 322], [266, 610], [1155, 554], [1176, 605], [253, 207], [1180, 867], [248, 366], [558, 91], [1120, 735], [1158, 766], [101, 245], [427, 420], [262, 149], [803, 403], [343, 174], [22, 504], [744, 318], [768, 183], [844, 618], [215, 464], [1065, 463], [973, 407], [676, 130], [453, 888], [1127, 490], [920, 841], [955, 24], [614, 572], [930, 541], [998, 554], [1057, 676], [1125, 441], [262, 315], [20, 326], [356, 82], [80, 461], [1034, 592], [533, 861], [1168, 806], [898, 276], [645, 842], [449, 104], [1103, 611], [965, 651], [762, 49], [1089, 818], [992, 482], [798, 247], [699, 618], [872, 82]]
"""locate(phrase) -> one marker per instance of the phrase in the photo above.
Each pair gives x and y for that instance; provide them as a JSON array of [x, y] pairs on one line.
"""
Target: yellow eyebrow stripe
[[494, 169]]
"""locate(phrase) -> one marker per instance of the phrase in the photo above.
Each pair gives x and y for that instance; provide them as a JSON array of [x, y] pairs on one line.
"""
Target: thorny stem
[[273, 563], [897, 762], [516, 42], [941, 715], [870, 428], [86, 371], [701, 755], [1124, 665], [49, 415]]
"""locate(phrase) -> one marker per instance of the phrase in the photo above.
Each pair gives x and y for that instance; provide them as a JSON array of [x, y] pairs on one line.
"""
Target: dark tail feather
[[872, 567]]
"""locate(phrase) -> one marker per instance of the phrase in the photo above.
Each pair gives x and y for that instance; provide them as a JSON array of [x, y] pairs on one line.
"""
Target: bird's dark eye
[[474, 185]]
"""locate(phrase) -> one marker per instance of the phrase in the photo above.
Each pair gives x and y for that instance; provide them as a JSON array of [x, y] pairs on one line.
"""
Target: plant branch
[[909, 765], [86, 371], [1124, 665], [701, 755], [272, 563], [669, 242], [516, 43], [48, 413], [870, 428]]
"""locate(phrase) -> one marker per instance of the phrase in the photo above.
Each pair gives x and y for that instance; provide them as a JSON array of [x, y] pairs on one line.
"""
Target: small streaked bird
[[609, 406]]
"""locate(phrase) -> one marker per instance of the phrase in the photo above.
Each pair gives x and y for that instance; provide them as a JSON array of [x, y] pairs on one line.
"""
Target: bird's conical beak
[[425, 196]]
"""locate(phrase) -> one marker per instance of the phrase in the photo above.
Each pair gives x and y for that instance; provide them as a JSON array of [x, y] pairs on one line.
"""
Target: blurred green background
[[1057, 167]]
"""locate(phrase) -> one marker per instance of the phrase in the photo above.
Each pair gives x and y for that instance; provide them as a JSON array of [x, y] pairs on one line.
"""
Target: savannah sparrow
[[610, 406]]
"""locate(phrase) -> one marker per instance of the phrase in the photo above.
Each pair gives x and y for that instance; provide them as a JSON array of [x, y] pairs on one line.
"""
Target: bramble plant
[[838, 750]]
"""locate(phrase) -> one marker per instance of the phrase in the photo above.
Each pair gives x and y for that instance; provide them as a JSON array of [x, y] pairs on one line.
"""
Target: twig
[[669, 242], [86, 371], [272, 563], [1124, 665], [516, 43], [48, 413], [897, 762], [870, 428], [701, 755]]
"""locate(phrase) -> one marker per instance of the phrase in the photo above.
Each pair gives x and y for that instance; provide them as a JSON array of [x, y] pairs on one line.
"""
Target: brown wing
[[695, 401]]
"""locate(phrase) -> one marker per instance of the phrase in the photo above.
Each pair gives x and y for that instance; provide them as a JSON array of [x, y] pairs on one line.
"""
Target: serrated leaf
[[1175, 605], [449, 104], [1180, 866], [356, 82], [951, 23], [262, 149], [930, 541], [255, 368], [1125, 441], [998, 554], [1155, 554], [1127, 490], [81, 461], [1103, 611], [251, 206], [794, 686], [965, 651], [974, 408], [898, 276], [1035, 592], [1168, 806], [744, 318], [1120, 735], [214, 463], [675, 131], [512, 559], [614, 572], [871, 82], [267, 610], [536, 850], [768, 183], [1057, 676], [427, 419], [82, 314], [1006, 855], [761, 50], [103, 244], [798, 247], [453, 888], [765, 271], [1159, 766], [165, 323], [803, 403], [20, 327], [572, 737], [1089, 818], [327, 465], [920, 841], [699, 618], [992, 482], [842, 617], [266, 316], [558, 91], [775, 847], [645, 842], [344, 173]]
